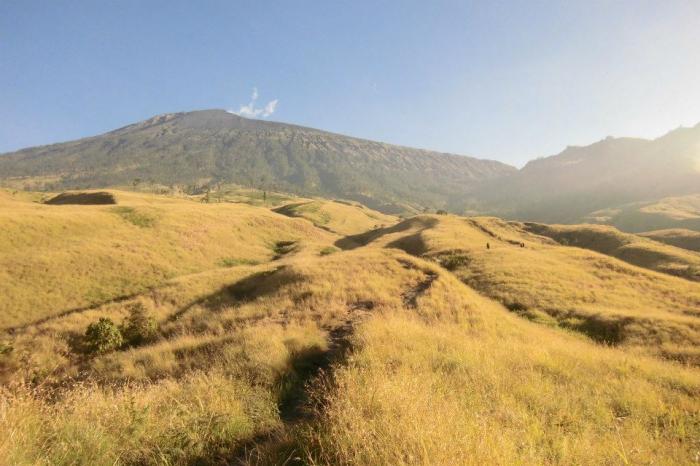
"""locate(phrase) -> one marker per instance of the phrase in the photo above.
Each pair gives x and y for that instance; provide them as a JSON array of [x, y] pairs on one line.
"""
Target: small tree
[[139, 327], [102, 336]]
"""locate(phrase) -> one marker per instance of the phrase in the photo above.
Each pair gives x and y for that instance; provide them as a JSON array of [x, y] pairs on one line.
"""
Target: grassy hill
[[208, 147], [630, 248], [582, 290], [343, 217], [667, 213], [415, 344], [58, 258], [679, 237]]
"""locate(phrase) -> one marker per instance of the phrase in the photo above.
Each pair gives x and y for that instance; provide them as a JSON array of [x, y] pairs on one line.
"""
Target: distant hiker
[[522, 245], [488, 246]]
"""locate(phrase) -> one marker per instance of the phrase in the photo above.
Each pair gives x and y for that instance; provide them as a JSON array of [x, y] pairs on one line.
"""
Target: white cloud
[[251, 111]]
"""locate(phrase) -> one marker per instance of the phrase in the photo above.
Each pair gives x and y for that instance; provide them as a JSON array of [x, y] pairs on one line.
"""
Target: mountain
[[212, 146], [581, 180]]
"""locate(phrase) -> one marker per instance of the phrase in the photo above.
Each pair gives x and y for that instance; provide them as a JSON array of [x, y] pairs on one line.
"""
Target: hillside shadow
[[99, 198], [422, 223], [247, 289]]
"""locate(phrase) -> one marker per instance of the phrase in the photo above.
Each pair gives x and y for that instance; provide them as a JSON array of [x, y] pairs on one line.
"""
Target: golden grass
[[56, 258], [201, 418], [671, 212], [367, 356], [427, 393], [598, 295], [676, 208], [679, 237], [630, 248], [342, 217]]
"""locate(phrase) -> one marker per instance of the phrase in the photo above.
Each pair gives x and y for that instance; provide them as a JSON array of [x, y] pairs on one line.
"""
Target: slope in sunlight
[[600, 296], [342, 217], [415, 368], [59, 258], [625, 246], [686, 239], [671, 212]]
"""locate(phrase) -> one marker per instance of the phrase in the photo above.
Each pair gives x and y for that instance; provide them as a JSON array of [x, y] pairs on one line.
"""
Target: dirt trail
[[295, 407], [410, 296]]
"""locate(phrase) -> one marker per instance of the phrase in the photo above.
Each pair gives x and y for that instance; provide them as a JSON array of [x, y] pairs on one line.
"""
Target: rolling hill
[[686, 239], [661, 214], [214, 146], [634, 249], [58, 259], [413, 343], [342, 217]]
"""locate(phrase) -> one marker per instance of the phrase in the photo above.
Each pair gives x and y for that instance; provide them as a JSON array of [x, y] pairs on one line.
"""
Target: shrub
[[328, 250], [5, 348], [102, 336], [233, 261], [453, 261], [139, 327], [134, 217]]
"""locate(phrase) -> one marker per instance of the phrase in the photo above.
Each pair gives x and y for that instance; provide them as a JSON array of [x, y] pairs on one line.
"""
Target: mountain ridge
[[210, 146], [568, 186], [204, 148]]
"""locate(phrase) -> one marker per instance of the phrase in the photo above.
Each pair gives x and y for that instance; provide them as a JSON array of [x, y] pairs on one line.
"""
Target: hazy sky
[[504, 80]]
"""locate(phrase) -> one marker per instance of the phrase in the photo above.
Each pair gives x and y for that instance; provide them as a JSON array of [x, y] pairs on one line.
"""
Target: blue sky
[[503, 80]]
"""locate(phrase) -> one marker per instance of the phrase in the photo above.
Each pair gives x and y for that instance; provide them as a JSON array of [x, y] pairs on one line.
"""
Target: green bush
[[233, 261], [134, 217], [328, 250], [5, 348], [453, 261], [139, 327], [102, 336]]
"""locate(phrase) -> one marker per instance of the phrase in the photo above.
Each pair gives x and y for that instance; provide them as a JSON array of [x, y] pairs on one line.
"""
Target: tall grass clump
[[200, 420]]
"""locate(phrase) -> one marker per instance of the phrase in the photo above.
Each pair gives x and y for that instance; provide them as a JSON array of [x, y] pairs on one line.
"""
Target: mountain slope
[[612, 172], [212, 146]]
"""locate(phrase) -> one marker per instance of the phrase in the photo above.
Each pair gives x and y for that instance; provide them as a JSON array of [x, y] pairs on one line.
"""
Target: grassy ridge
[[600, 296], [627, 247], [667, 213], [57, 258], [679, 237], [343, 217]]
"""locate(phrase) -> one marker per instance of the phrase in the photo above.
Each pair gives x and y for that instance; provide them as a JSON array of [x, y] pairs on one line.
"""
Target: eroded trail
[[296, 405], [410, 296]]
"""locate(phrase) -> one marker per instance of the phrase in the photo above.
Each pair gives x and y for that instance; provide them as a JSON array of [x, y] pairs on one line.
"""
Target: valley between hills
[[247, 326]]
